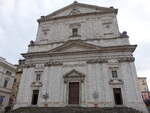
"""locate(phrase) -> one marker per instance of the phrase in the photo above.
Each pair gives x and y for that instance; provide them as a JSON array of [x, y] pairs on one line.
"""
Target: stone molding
[[36, 84], [113, 64], [127, 59], [116, 82], [111, 49], [28, 65], [74, 76], [45, 19], [105, 60], [75, 5], [92, 61], [56, 63], [88, 39]]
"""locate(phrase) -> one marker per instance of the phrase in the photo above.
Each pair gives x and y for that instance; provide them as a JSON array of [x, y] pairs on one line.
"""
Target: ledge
[[74, 110]]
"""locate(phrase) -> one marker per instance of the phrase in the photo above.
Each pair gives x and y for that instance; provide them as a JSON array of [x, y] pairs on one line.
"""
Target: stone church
[[80, 58]]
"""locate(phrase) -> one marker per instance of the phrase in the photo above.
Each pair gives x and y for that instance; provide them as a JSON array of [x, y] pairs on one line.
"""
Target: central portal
[[73, 93]]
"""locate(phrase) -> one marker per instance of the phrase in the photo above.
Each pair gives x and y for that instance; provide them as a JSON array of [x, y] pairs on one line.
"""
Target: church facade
[[80, 58]]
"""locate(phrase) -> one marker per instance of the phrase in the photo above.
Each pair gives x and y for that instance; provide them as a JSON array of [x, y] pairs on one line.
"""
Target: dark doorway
[[118, 96], [35, 97], [74, 93]]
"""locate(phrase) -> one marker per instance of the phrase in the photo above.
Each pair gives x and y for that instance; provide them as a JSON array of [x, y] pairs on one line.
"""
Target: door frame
[[124, 98], [67, 99], [37, 97], [73, 76], [115, 96]]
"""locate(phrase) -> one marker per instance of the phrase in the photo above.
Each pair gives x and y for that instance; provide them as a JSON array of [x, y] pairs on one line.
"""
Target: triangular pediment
[[74, 74], [74, 46], [78, 8]]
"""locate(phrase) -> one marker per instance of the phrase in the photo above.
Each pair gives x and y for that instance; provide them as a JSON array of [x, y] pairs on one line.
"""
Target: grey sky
[[18, 25]]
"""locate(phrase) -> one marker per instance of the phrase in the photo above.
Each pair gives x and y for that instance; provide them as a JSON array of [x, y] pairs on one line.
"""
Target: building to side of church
[[143, 84], [80, 58], [7, 75], [144, 90], [16, 83]]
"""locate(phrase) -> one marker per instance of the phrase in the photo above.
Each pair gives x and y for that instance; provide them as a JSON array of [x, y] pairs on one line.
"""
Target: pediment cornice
[[75, 43], [90, 49], [74, 9], [44, 19], [74, 75], [104, 59]]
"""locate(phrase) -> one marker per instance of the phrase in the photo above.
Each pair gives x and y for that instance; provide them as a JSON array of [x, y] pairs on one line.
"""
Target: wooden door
[[74, 93]]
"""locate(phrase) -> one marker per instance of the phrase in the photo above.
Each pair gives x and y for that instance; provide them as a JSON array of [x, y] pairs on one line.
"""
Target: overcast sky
[[18, 25]]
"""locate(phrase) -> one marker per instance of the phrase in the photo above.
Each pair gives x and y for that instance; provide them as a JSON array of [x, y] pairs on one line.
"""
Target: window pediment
[[74, 76], [116, 82]]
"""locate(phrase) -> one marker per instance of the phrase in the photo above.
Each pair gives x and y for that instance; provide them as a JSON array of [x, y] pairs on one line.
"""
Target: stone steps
[[74, 110]]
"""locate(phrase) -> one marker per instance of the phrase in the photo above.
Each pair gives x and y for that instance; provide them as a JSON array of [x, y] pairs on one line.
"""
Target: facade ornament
[[126, 59], [36, 84], [91, 61], [116, 82], [31, 43], [45, 96], [75, 10], [124, 34], [74, 76], [28, 65], [45, 31], [113, 63], [39, 67], [95, 95], [56, 63]]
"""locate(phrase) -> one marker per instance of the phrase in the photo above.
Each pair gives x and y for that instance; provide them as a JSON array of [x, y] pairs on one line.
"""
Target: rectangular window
[[5, 83], [143, 82], [114, 74], [38, 77], [1, 99], [74, 31], [15, 80]]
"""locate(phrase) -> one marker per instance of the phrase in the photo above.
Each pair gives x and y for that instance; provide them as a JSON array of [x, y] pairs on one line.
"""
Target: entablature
[[96, 50], [86, 60]]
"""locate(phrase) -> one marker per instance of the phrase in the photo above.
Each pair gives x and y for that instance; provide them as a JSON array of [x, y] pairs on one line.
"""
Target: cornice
[[110, 49], [56, 63], [8, 65], [28, 65], [45, 19], [92, 61], [116, 82], [105, 60], [126, 59], [88, 61], [89, 39], [76, 4]]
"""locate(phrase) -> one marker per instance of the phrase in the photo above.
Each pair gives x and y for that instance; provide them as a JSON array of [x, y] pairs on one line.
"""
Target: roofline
[[124, 48], [9, 65], [142, 77], [45, 19], [110, 9], [77, 3]]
